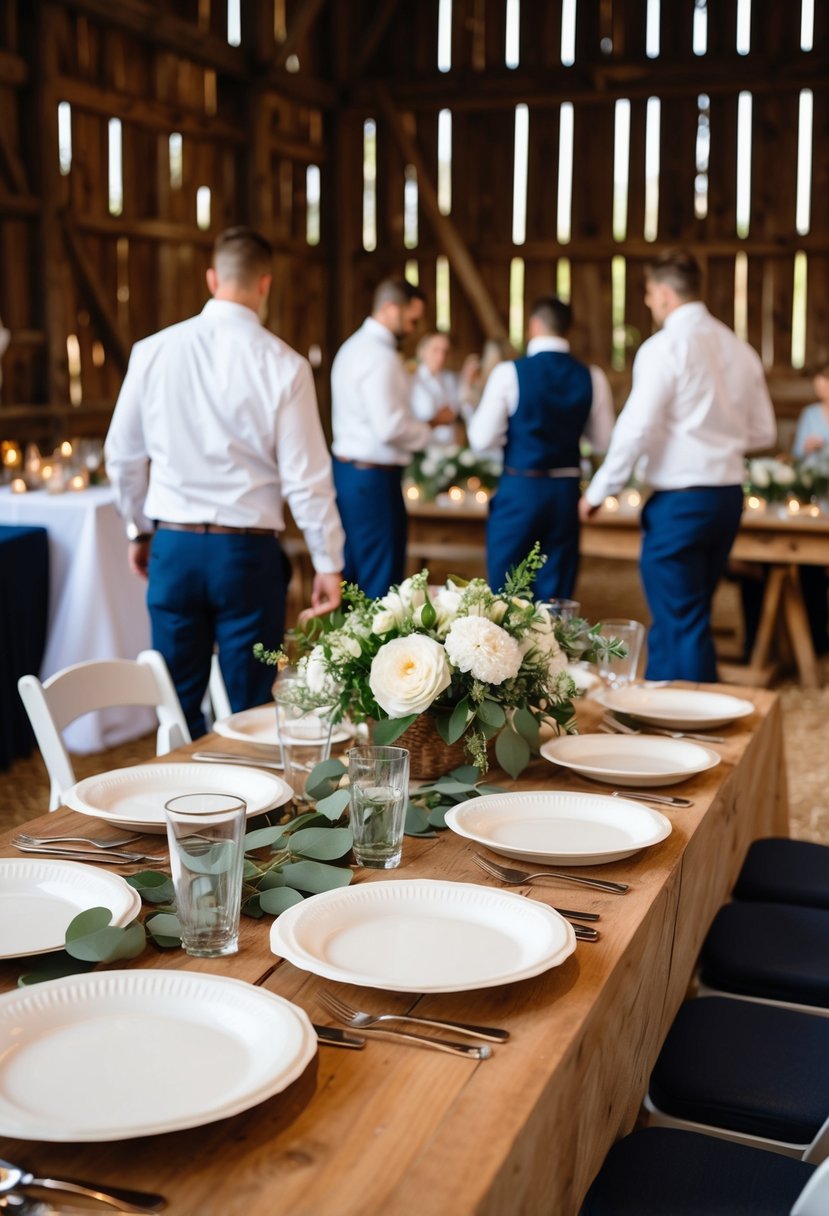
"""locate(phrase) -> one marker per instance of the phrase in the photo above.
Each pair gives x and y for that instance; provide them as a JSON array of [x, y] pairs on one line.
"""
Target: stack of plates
[[259, 726], [135, 797], [630, 759], [676, 708]]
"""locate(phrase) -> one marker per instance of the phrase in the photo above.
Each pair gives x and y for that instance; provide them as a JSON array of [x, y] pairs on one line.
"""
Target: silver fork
[[112, 843], [357, 1018], [624, 728], [108, 856], [515, 877]]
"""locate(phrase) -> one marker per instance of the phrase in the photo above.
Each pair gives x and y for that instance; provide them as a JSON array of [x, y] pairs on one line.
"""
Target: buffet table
[[96, 604], [395, 1130]]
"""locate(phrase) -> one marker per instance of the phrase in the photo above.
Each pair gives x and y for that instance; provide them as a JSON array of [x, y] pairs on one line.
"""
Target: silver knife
[[235, 758], [332, 1036]]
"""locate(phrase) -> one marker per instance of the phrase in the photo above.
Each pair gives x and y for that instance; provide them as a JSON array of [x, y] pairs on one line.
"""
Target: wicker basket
[[429, 756]]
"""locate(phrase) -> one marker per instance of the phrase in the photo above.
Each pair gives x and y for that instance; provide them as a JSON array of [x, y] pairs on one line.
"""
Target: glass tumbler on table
[[618, 672], [205, 833], [565, 610], [379, 790], [304, 734]]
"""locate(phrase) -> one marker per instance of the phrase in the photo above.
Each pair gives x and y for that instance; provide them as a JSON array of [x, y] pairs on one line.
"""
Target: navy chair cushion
[[664, 1171], [746, 1067], [779, 870], [774, 951]]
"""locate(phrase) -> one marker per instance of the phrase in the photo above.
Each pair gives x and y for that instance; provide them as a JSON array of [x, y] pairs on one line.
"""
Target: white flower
[[429, 467], [411, 596], [408, 674], [467, 459], [759, 474], [484, 649], [315, 671], [541, 640], [383, 622], [446, 604], [344, 647], [390, 615], [784, 474]]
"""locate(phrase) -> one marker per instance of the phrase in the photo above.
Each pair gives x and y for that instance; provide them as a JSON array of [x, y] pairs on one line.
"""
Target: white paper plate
[[422, 936], [38, 899], [259, 726], [118, 1054], [558, 827], [134, 797], [684, 708], [630, 759]]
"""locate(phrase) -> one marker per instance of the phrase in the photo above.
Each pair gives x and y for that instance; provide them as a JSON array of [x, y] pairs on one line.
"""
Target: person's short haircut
[[679, 269], [241, 254], [395, 291], [554, 315], [427, 338]]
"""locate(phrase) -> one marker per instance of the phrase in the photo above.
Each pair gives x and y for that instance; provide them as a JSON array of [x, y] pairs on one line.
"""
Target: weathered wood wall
[[81, 278]]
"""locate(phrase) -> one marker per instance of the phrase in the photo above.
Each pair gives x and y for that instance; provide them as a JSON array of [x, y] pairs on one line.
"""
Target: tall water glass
[[304, 734], [205, 833], [379, 789], [618, 672]]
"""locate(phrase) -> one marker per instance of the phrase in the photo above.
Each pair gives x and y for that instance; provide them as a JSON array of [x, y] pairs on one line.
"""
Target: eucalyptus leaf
[[490, 713], [55, 968], [447, 786], [271, 880], [153, 886], [105, 945], [324, 778], [417, 821], [491, 789], [279, 900], [512, 752], [251, 906], [321, 844], [437, 816], [527, 726], [89, 921], [441, 722], [466, 772], [264, 836], [165, 930], [458, 721], [250, 870], [390, 729], [315, 876], [333, 806]]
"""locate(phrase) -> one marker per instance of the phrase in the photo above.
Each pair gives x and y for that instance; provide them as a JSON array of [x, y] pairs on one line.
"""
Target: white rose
[[446, 604], [383, 622], [759, 474], [394, 606], [408, 674], [784, 474], [410, 596], [484, 649], [317, 677], [344, 647], [467, 459], [428, 468]]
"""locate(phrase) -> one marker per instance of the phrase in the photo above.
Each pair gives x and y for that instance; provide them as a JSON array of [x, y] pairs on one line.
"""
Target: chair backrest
[[813, 1200], [219, 700], [99, 684]]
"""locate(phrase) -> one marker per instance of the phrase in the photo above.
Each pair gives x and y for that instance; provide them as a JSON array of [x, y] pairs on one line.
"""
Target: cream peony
[[484, 649], [408, 674]]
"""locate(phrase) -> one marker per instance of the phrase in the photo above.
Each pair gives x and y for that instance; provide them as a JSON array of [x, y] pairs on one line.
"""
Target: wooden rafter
[[302, 20], [372, 37], [13, 164], [447, 233], [95, 295]]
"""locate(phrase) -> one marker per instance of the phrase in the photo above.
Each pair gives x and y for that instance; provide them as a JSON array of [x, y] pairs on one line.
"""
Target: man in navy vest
[[537, 408]]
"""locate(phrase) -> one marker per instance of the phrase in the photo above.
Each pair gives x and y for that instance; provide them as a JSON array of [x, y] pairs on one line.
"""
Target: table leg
[[797, 625]]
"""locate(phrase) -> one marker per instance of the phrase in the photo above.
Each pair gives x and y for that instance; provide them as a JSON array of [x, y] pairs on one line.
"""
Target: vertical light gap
[[519, 175], [203, 208], [804, 162], [741, 295], [743, 27], [122, 279], [115, 173], [369, 185], [699, 35], [445, 161], [564, 202], [234, 22], [280, 25], [703, 151], [73, 360], [568, 33], [410, 207], [175, 146], [617, 312], [516, 303], [443, 312], [64, 137], [653, 119], [621, 168], [799, 297], [563, 279], [743, 163], [807, 25], [652, 45], [513, 31], [411, 272], [312, 203], [444, 35]]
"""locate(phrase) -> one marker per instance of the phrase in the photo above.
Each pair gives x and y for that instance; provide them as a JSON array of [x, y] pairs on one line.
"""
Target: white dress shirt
[[698, 403], [431, 391], [371, 417], [487, 427], [226, 414]]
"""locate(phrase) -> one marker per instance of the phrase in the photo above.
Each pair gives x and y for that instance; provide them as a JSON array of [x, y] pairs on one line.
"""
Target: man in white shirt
[[215, 427], [698, 404], [375, 434], [537, 409]]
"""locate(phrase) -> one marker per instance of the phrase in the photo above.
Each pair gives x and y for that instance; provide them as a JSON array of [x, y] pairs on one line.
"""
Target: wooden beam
[[370, 40], [16, 205], [13, 163], [51, 270], [96, 299], [303, 17], [13, 69], [185, 234], [154, 115]]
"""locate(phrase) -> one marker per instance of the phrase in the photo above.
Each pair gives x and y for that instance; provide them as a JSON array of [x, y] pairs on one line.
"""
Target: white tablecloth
[[97, 607]]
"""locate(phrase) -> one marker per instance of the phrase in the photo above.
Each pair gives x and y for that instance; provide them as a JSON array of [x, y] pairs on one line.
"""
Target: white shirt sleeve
[[125, 450], [602, 414], [422, 400], [385, 392], [487, 428]]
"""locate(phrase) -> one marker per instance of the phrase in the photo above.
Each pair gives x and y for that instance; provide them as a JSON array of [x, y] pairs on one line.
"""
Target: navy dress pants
[[688, 535], [373, 514], [529, 509], [216, 589]]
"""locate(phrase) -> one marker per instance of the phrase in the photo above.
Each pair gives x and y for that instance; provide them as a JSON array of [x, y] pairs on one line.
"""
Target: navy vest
[[555, 393]]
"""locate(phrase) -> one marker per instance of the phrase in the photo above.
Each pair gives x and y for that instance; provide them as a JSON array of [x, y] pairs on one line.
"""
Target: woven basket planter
[[429, 756]]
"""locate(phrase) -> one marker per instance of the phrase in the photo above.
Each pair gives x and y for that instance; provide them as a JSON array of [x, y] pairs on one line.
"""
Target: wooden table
[[395, 1130], [458, 535]]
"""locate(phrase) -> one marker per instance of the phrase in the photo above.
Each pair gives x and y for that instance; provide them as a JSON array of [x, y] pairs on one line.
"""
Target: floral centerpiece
[[439, 467], [478, 665], [771, 478]]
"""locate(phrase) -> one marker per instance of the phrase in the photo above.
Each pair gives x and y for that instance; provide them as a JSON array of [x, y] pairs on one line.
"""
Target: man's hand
[[326, 594], [586, 509], [443, 417], [139, 557]]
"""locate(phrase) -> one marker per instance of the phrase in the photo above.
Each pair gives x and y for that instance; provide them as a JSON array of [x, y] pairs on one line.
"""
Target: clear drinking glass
[[566, 610], [618, 672], [379, 789], [304, 734], [205, 833]]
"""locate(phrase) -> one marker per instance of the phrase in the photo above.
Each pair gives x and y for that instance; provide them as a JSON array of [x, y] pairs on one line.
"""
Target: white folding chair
[[100, 684], [219, 700]]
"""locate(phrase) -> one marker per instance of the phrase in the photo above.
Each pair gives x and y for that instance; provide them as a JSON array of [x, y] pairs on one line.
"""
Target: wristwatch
[[135, 534]]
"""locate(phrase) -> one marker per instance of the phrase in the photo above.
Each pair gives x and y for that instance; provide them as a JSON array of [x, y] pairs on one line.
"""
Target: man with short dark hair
[[537, 408], [698, 404], [216, 426], [375, 434]]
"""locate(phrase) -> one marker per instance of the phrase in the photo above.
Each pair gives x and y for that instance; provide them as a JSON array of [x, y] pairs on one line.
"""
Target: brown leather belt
[[217, 529], [365, 464], [542, 472]]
